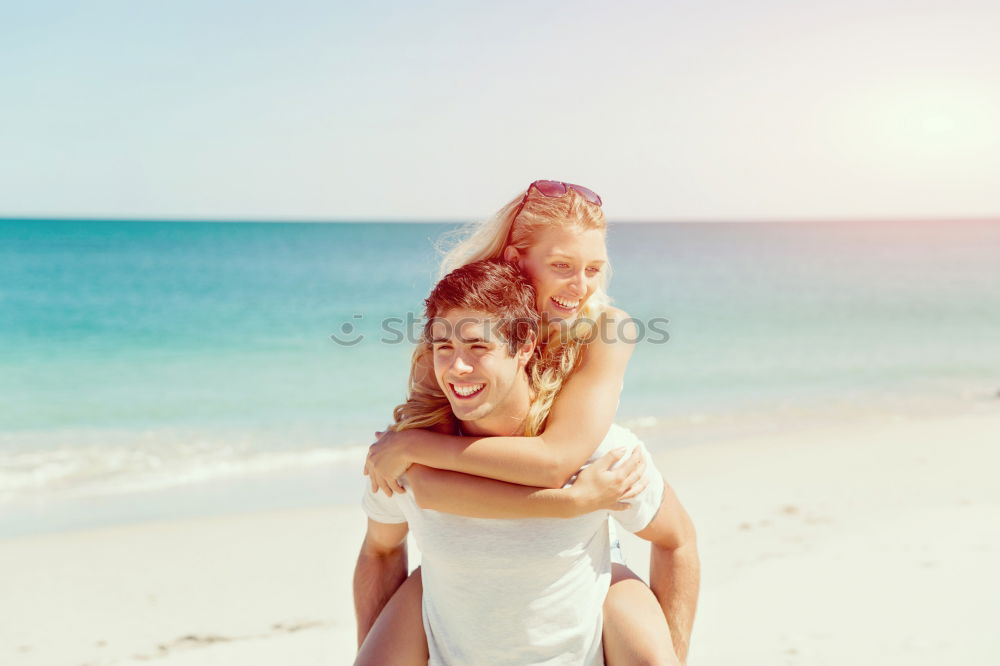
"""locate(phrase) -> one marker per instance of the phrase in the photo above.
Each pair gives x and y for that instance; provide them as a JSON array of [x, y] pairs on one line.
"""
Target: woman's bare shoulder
[[617, 326], [615, 313], [611, 343]]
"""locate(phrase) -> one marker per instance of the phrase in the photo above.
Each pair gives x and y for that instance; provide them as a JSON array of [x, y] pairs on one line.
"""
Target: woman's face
[[565, 266]]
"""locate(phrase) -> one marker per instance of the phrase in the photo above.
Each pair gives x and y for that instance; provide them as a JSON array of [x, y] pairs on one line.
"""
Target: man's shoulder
[[621, 436], [618, 437], [382, 508]]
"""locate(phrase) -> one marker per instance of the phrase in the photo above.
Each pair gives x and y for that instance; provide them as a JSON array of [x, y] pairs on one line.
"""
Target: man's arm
[[674, 568], [380, 570]]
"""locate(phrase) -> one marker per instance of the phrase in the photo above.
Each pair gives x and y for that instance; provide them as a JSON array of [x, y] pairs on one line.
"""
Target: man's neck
[[508, 417]]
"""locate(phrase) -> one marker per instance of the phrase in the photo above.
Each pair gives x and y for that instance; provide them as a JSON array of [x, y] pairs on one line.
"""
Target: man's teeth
[[467, 390], [569, 305]]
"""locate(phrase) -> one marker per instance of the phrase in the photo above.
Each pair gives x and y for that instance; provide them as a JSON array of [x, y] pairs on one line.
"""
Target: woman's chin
[[559, 322]]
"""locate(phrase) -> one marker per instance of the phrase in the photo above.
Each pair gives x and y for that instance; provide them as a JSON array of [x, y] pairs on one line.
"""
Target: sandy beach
[[870, 541]]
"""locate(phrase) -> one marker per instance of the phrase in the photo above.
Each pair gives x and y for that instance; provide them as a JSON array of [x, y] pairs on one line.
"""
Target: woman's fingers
[[636, 462], [636, 489], [608, 460], [634, 470], [390, 486], [633, 482], [631, 471], [371, 477], [384, 486]]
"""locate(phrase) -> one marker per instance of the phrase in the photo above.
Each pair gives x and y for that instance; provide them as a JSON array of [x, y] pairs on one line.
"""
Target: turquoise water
[[138, 356]]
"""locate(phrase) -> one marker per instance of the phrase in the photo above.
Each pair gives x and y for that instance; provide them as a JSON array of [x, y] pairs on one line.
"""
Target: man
[[525, 590]]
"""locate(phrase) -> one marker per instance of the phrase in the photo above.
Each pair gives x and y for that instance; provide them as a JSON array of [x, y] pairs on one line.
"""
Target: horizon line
[[306, 220]]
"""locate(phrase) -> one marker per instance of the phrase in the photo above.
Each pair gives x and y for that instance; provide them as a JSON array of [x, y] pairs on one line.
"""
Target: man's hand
[[598, 486], [387, 461]]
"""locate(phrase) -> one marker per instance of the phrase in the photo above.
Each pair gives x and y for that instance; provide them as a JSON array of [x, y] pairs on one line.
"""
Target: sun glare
[[946, 122]]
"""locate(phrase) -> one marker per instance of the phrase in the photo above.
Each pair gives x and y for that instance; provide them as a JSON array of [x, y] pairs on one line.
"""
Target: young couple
[[511, 394]]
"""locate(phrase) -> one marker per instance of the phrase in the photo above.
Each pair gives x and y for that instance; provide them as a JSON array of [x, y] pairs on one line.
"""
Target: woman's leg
[[397, 638], [635, 631]]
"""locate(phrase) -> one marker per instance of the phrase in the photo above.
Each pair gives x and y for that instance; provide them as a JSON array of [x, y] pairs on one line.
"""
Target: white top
[[523, 591]]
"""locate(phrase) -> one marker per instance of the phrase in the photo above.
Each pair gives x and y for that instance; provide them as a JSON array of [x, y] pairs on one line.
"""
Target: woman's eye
[[444, 348], [593, 271], [561, 267], [480, 347]]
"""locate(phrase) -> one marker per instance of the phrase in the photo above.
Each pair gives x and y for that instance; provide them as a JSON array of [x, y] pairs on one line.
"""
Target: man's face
[[473, 364]]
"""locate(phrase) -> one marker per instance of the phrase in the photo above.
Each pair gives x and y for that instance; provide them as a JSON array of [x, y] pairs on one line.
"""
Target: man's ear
[[510, 253], [525, 351]]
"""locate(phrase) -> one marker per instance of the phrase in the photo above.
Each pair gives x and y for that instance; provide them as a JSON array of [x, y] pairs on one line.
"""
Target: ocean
[[158, 369]]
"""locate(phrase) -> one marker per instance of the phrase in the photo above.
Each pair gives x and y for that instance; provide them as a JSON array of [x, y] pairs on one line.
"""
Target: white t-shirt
[[521, 591]]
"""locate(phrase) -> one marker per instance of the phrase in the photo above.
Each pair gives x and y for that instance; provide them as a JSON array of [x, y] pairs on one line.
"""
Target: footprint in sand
[[291, 627], [202, 640]]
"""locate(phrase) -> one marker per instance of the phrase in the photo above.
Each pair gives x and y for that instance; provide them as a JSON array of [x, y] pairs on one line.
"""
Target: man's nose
[[461, 366]]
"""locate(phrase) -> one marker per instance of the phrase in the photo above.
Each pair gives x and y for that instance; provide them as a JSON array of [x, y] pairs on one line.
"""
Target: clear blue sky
[[697, 110]]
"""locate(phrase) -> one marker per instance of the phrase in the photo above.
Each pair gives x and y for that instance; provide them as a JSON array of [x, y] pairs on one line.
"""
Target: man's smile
[[465, 391]]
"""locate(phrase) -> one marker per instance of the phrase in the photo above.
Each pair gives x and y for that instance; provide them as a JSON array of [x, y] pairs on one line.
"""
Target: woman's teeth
[[467, 390], [564, 304]]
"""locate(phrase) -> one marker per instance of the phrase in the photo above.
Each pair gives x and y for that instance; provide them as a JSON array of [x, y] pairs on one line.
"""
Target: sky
[[697, 110]]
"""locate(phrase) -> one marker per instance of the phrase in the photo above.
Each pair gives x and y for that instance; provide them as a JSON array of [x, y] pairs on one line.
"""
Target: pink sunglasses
[[555, 189]]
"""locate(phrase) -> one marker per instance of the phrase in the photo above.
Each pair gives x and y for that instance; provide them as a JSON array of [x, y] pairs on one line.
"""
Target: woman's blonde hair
[[514, 226]]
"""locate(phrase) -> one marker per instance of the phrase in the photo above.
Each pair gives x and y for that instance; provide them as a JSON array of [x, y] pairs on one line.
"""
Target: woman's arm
[[598, 486], [579, 419]]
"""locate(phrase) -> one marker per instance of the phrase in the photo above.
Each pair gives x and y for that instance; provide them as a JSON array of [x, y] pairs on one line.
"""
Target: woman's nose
[[578, 284]]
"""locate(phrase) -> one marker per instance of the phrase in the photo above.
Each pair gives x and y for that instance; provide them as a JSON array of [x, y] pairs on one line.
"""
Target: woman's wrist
[[409, 447], [578, 502]]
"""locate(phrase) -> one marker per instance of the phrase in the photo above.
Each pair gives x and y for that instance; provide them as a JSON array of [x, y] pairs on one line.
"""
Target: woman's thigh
[[397, 637], [635, 630]]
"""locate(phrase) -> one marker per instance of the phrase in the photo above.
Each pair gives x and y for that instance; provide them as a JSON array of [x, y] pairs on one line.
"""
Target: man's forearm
[[376, 579], [674, 576]]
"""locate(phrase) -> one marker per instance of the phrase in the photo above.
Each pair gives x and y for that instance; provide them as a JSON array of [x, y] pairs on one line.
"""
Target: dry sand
[[869, 542]]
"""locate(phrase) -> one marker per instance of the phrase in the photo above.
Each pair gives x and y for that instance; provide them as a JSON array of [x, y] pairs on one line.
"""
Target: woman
[[556, 233]]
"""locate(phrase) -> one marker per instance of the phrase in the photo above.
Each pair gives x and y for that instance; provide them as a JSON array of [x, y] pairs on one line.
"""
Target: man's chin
[[466, 413]]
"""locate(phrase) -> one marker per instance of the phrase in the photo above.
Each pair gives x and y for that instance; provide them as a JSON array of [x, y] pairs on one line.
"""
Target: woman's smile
[[566, 305]]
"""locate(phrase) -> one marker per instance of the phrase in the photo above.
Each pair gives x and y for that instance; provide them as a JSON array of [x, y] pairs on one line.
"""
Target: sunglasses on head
[[554, 189]]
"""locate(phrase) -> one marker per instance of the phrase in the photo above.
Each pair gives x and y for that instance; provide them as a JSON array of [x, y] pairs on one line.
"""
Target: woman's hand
[[387, 461], [599, 486]]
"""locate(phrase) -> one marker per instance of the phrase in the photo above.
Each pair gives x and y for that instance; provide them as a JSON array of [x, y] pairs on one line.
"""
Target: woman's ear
[[510, 253]]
